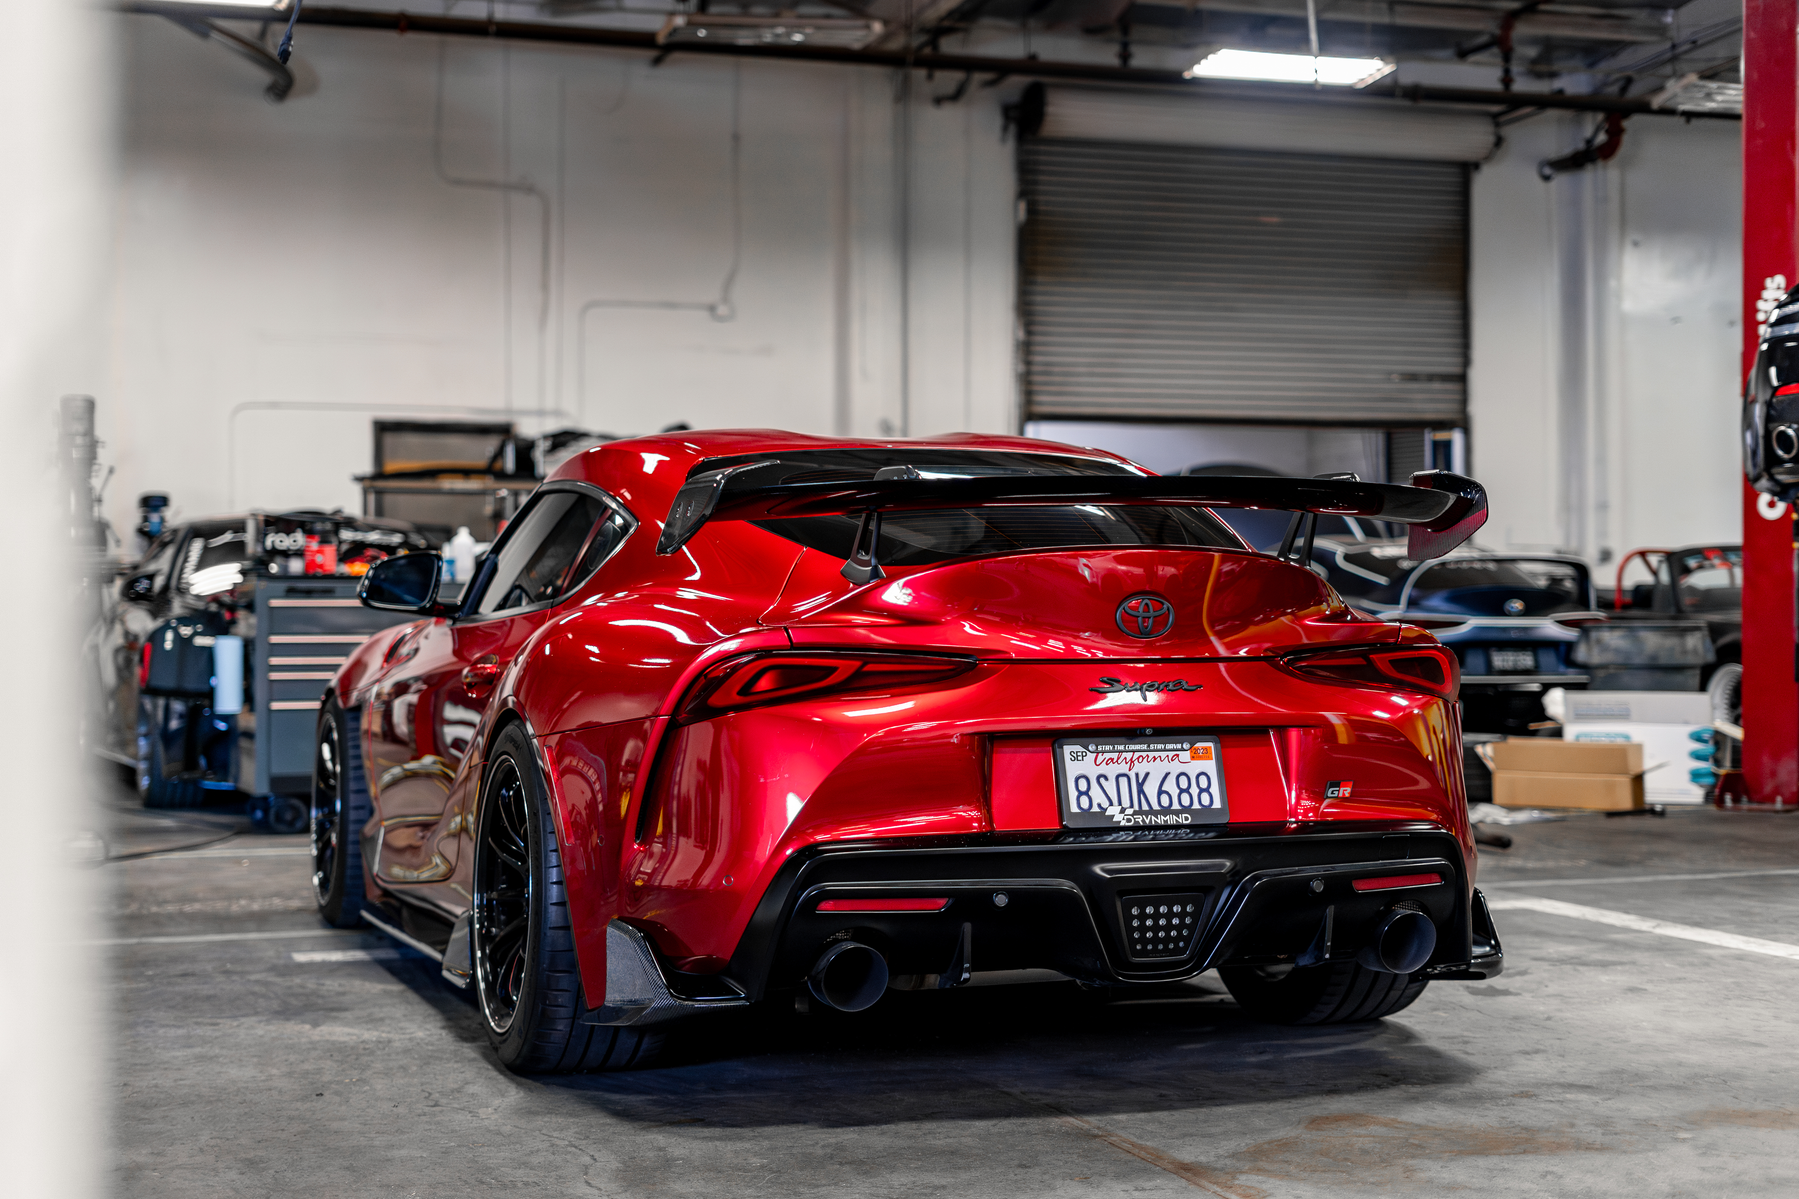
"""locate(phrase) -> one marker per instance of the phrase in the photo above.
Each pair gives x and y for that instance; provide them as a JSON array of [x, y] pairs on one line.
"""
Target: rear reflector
[[1397, 880], [883, 905]]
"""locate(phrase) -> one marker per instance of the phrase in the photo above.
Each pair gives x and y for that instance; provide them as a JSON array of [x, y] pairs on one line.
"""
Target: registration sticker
[[1140, 782]]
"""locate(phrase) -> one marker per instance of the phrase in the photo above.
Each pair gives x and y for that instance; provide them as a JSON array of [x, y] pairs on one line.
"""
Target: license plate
[[1513, 661], [1140, 782]]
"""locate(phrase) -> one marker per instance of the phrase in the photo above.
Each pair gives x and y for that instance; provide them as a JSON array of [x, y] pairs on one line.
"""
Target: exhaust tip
[[1404, 943], [849, 977]]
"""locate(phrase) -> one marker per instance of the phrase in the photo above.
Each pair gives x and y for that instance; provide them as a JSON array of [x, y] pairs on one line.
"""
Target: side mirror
[[407, 583], [139, 587]]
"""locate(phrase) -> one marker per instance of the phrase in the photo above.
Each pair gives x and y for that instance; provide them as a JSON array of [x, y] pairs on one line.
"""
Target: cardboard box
[[1547, 755], [1542, 772], [1594, 792]]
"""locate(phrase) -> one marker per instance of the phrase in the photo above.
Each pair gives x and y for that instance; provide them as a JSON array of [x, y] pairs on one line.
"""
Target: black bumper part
[[1488, 957], [1069, 907]]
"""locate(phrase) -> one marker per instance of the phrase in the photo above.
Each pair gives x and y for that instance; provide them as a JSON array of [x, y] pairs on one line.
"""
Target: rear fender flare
[[590, 943]]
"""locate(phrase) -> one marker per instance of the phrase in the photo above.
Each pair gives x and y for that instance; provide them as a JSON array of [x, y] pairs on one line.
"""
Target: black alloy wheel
[[527, 980], [502, 918], [340, 807]]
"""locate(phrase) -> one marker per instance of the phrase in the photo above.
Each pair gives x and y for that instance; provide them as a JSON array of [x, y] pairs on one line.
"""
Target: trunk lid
[[1191, 603]]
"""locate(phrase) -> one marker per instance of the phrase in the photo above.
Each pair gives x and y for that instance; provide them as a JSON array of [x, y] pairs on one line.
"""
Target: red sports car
[[736, 717]]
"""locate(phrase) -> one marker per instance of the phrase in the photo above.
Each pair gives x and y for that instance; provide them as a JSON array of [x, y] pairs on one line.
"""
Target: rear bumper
[[1067, 905]]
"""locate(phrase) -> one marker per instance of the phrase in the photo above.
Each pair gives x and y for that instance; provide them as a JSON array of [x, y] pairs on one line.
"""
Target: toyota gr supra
[[745, 717]]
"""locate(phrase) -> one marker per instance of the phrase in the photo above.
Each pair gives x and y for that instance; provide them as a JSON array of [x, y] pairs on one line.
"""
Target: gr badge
[[1338, 790]]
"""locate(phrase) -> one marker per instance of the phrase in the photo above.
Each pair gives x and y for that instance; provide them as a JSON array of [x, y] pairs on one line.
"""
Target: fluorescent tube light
[[1291, 68]]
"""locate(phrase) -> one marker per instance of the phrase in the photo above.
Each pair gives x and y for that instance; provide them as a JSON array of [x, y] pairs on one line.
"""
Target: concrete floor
[[1605, 1061]]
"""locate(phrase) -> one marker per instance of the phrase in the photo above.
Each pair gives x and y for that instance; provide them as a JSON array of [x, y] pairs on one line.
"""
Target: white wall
[[285, 272], [1605, 338]]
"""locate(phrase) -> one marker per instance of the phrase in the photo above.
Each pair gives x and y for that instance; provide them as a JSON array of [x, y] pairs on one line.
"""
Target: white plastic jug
[[460, 555]]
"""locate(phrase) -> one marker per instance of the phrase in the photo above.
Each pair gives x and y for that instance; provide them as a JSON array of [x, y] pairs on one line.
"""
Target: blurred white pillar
[[56, 89]]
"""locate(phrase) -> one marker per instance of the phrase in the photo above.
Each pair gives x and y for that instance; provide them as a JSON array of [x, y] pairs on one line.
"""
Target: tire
[[1334, 993], [526, 981], [340, 807], [1725, 688], [154, 786], [289, 814]]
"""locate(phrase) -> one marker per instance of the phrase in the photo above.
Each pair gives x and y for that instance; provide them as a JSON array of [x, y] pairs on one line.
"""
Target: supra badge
[[1145, 615], [1111, 686]]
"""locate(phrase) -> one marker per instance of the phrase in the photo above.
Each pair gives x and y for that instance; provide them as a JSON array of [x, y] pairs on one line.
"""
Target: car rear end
[[1125, 765]]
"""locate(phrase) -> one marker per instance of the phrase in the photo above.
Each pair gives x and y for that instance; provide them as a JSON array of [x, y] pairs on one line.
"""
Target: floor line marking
[[1630, 878], [1643, 924], [261, 851], [195, 938], [346, 955]]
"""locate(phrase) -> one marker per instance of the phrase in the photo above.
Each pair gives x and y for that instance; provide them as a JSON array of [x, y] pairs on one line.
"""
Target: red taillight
[[883, 905], [1431, 669], [777, 678], [143, 668], [1393, 881]]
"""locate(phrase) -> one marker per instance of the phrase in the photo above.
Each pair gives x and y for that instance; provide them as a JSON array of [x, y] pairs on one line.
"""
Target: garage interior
[[331, 275]]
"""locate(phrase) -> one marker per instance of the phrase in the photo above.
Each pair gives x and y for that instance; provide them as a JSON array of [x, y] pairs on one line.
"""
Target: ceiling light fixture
[[260, 7], [838, 32], [1690, 93], [1318, 69]]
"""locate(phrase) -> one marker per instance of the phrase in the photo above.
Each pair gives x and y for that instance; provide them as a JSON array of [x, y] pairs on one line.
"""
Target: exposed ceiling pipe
[[281, 80], [1597, 149], [587, 35]]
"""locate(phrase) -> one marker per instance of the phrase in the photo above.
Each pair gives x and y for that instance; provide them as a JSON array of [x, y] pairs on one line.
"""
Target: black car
[[1694, 582], [187, 600]]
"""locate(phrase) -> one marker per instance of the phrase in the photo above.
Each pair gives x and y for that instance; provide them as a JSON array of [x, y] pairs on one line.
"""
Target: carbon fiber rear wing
[[1442, 509]]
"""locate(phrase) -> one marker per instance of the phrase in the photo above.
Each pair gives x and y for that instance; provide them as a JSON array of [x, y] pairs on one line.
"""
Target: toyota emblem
[[1514, 607], [1145, 615]]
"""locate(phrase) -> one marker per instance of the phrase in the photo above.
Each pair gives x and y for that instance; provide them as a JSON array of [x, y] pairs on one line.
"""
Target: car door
[[421, 713]]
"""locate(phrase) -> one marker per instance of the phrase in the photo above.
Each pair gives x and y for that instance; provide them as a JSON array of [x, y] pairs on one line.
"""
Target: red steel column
[[1770, 118]]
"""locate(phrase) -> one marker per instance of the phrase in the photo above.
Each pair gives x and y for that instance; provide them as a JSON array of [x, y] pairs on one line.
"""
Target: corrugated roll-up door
[[1202, 283]]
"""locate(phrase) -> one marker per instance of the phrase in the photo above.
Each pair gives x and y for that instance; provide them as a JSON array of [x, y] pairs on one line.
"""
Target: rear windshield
[[1543, 586], [924, 538]]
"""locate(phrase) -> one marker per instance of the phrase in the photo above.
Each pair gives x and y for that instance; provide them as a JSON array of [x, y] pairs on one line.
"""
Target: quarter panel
[[592, 773], [620, 658]]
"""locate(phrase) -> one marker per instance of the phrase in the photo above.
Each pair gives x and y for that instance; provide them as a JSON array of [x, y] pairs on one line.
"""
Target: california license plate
[[1140, 782]]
